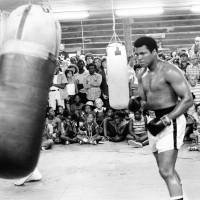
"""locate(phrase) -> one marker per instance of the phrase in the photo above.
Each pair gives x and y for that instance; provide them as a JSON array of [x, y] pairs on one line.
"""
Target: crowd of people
[[79, 111]]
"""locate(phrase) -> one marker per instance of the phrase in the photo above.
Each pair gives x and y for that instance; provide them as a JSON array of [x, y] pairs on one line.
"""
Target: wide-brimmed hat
[[89, 103], [73, 67]]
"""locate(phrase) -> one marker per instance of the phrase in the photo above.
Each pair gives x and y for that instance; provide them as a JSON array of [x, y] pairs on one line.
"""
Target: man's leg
[[166, 164]]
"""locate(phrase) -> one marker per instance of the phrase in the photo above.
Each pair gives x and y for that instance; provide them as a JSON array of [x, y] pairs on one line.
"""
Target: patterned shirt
[[196, 91], [192, 70], [92, 86]]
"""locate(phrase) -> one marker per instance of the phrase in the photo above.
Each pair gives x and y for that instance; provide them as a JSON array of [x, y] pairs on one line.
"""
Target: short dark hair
[[91, 64], [149, 42]]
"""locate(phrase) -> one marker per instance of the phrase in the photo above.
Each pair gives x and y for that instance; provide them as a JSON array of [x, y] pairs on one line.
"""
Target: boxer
[[164, 90]]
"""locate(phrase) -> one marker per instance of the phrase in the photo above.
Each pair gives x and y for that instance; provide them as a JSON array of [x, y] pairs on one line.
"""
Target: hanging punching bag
[[27, 64], [117, 71]]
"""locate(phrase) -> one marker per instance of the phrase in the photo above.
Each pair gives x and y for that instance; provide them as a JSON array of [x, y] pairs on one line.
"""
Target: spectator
[[194, 88], [87, 108], [89, 58], [137, 136], [77, 105], [57, 90], [195, 49], [183, 61], [116, 128], [71, 87], [53, 125], [91, 133], [68, 130], [92, 84], [193, 69], [80, 78]]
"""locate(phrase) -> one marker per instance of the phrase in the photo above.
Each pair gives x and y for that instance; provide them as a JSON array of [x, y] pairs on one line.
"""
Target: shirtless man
[[164, 90]]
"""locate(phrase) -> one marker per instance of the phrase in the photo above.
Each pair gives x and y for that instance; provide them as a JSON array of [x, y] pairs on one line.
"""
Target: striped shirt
[[196, 91], [139, 127]]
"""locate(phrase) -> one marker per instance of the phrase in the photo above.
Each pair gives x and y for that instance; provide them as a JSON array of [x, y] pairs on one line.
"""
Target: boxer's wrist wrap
[[166, 120]]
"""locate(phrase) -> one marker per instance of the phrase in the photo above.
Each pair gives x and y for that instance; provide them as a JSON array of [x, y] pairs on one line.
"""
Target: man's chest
[[153, 83]]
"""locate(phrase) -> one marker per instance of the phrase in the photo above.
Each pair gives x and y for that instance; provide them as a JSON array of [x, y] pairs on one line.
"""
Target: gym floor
[[110, 171]]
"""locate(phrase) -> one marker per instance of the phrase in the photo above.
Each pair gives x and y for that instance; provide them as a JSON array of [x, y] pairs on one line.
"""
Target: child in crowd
[[89, 130], [68, 130], [100, 113], [137, 136], [86, 109], [61, 113], [196, 140], [53, 125], [76, 106], [116, 127]]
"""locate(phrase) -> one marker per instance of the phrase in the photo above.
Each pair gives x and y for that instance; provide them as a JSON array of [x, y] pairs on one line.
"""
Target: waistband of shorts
[[161, 112]]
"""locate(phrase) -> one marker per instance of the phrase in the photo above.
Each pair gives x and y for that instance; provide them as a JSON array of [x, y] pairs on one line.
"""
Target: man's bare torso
[[159, 93]]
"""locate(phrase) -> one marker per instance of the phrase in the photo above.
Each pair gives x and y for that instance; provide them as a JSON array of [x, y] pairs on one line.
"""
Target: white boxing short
[[171, 137]]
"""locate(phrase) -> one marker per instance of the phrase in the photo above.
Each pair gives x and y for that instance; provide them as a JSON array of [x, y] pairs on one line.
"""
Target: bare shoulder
[[171, 72]]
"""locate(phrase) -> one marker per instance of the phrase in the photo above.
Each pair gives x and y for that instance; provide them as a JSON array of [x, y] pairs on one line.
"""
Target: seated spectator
[[99, 111], [53, 125], [47, 138], [61, 113], [89, 131], [137, 136], [87, 108], [116, 127], [68, 130], [195, 136]]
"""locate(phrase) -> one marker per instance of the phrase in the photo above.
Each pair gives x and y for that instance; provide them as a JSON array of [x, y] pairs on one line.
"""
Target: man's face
[[184, 58], [97, 62], [194, 61], [90, 118], [81, 64], [91, 69], [144, 56], [193, 81], [89, 60]]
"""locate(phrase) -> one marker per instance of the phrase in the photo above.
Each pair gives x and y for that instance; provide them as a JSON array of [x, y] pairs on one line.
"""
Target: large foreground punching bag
[[27, 63], [117, 71]]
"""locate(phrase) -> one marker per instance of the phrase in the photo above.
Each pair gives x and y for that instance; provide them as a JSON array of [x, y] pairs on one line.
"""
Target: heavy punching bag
[[27, 64], [117, 71]]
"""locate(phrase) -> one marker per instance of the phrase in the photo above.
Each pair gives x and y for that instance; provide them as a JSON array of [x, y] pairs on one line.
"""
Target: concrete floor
[[104, 172]]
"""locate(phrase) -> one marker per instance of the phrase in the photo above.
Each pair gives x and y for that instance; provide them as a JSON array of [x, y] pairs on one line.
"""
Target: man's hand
[[155, 126]]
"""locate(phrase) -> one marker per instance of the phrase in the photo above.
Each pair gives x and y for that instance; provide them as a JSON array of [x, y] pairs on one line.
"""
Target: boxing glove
[[27, 63], [156, 125], [134, 104]]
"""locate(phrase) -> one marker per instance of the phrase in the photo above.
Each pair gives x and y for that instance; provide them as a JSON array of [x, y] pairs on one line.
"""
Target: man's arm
[[179, 84]]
